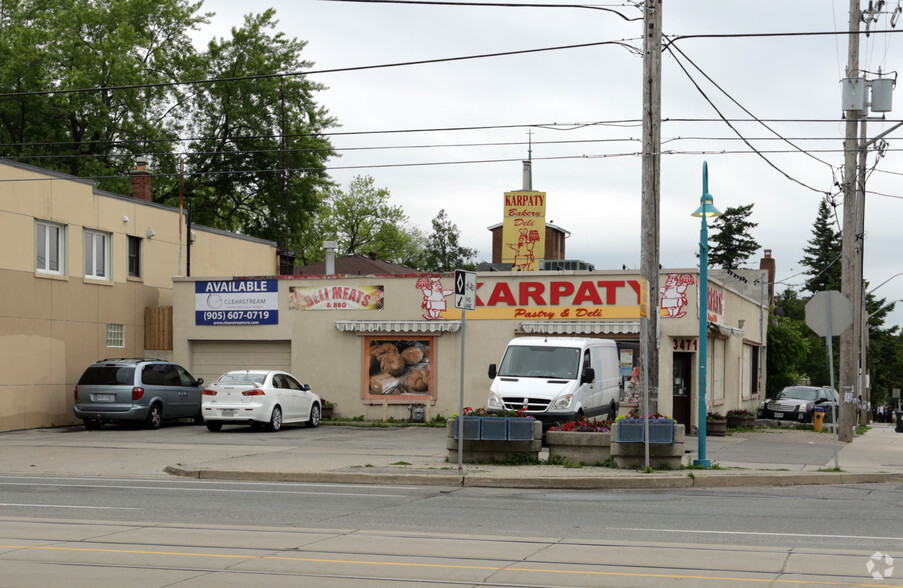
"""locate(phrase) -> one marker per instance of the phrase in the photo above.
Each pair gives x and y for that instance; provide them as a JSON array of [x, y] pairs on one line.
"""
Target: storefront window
[[399, 369]]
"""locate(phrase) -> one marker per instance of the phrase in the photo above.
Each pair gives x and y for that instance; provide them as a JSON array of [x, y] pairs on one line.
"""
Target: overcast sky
[[470, 119]]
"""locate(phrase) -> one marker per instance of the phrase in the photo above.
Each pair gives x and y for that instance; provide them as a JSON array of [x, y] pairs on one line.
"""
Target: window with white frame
[[134, 256], [97, 255], [115, 335], [49, 247]]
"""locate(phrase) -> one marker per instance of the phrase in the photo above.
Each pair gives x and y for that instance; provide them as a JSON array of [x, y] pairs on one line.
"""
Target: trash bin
[[899, 415], [818, 417]]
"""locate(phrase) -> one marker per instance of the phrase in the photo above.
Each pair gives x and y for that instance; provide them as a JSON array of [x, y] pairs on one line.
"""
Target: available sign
[[236, 302]]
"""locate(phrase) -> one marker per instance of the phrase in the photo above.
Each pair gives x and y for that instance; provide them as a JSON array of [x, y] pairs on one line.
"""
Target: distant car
[[259, 398], [798, 403], [136, 390]]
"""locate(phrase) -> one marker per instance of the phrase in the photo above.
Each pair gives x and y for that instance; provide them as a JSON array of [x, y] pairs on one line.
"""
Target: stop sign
[[829, 313]]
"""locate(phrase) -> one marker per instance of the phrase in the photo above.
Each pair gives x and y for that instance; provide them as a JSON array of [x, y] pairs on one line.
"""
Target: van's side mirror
[[492, 371], [589, 376]]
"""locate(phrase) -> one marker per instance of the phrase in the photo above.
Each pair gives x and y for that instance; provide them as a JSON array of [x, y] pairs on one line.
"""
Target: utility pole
[[851, 249], [649, 224]]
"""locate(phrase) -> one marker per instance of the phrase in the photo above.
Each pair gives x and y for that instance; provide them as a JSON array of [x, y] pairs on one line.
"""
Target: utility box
[[853, 93], [882, 95]]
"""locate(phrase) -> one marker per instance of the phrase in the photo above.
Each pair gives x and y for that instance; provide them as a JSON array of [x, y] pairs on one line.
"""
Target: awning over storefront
[[581, 327], [398, 326], [724, 330]]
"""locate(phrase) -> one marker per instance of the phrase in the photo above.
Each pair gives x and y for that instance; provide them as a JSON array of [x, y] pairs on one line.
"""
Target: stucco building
[[86, 275], [377, 345]]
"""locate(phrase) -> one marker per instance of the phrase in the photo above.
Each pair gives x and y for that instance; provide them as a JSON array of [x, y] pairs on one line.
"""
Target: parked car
[[136, 390], [259, 398], [798, 403]]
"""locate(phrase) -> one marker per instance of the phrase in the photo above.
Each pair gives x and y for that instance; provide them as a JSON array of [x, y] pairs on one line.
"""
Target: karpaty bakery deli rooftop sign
[[236, 302], [588, 299]]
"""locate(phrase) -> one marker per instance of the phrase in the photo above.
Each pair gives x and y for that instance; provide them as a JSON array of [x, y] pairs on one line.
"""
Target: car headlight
[[803, 407], [495, 401], [563, 402]]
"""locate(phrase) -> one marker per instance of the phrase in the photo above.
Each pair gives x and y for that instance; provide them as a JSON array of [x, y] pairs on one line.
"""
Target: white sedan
[[259, 398]]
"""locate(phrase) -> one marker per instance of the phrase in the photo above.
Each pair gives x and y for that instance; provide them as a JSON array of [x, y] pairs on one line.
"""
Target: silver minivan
[[137, 390]]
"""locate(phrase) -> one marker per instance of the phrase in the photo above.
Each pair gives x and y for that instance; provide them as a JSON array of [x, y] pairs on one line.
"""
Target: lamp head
[[706, 207]]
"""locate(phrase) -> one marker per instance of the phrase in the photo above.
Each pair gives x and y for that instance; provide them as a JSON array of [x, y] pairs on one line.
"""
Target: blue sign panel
[[236, 302]]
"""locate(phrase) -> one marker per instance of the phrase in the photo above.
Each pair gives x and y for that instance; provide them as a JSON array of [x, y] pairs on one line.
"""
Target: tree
[[444, 253], [88, 85], [732, 244], [362, 221], [788, 347], [264, 133], [823, 253], [83, 83]]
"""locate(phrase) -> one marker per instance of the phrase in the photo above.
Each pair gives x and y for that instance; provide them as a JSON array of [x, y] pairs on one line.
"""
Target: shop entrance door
[[680, 399]]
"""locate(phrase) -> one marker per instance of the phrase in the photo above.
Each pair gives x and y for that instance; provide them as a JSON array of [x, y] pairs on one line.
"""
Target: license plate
[[104, 397], [779, 415], [228, 412]]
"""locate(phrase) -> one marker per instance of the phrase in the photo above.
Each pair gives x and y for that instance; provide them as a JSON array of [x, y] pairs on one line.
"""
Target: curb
[[632, 482]]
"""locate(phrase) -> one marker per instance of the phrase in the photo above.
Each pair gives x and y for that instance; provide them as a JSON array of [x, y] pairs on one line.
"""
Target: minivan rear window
[[105, 375]]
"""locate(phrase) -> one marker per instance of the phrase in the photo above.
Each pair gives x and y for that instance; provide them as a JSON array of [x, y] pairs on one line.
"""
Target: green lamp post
[[706, 209]]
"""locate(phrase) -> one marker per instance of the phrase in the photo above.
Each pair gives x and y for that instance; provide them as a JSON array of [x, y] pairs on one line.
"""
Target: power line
[[492, 5], [733, 128]]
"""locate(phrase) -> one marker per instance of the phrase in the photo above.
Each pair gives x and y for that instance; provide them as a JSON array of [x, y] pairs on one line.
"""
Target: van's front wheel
[[613, 411]]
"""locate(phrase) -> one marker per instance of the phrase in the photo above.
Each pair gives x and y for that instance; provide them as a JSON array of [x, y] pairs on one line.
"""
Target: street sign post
[[465, 290], [829, 314], [465, 299]]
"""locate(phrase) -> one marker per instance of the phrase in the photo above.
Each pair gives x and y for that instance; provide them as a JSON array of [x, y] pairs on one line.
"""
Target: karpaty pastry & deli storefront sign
[[557, 299]]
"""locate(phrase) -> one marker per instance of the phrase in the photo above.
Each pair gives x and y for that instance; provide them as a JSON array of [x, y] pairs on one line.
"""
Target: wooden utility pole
[[852, 246], [649, 229]]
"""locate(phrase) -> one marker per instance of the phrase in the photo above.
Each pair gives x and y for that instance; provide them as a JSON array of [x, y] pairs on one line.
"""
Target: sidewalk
[[417, 456]]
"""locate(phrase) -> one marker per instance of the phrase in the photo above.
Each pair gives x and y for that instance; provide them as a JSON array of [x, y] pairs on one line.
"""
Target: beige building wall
[[330, 348], [53, 326]]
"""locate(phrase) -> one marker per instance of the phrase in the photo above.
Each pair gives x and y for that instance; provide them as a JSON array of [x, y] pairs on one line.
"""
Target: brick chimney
[[141, 180], [767, 263]]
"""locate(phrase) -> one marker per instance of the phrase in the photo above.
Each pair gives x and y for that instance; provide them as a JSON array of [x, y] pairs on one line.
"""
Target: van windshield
[[541, 362]]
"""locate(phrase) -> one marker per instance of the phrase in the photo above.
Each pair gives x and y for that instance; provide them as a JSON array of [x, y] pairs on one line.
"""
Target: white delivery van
[[557, 379]]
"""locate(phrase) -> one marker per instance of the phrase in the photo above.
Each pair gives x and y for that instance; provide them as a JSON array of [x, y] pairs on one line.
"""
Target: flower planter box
[[579, 447], [631, 431], [661, 455], [493, 428], [738, 421], [471, 427], [478, 450], [520, 429], [661, 431], [716, 428]]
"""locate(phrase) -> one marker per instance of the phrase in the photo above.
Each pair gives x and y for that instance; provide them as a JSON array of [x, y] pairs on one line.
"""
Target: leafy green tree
[[822, 255], [363, 221], [68, 46], [788, 347], [731, 244], [444, 252], [264, 133]]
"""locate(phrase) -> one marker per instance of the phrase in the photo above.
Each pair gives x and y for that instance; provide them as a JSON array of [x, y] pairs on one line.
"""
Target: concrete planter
[[493, 451], [585, 448], [661, 455]]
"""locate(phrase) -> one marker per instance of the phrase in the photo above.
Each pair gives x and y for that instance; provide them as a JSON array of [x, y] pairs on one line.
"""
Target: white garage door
[[211, 359]]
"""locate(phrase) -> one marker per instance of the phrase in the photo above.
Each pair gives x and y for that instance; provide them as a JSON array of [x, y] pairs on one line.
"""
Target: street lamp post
[[706, 209]]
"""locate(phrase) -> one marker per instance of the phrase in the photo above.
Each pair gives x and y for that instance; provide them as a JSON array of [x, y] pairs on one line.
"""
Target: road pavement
[[417, 455]]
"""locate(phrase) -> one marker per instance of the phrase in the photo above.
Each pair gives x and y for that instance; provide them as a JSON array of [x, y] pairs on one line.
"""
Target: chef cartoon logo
[[674, 295], [433, 297]]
